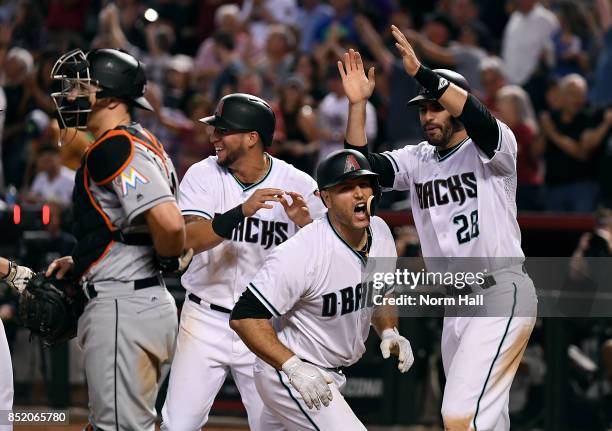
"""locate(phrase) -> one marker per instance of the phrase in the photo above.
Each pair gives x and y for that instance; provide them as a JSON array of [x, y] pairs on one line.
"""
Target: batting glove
[[309, 381], [393, 342], [18, 276]]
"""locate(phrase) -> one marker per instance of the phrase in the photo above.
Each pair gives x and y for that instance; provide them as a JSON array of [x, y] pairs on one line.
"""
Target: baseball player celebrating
[[16, 276], [237, 212], [313, 288], [462, 183], [128, 227]]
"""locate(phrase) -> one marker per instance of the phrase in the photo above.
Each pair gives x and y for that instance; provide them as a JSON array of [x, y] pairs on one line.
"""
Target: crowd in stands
[[543, 67]]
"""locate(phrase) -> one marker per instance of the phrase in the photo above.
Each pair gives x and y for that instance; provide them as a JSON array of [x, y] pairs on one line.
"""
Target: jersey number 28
[[468, 228]]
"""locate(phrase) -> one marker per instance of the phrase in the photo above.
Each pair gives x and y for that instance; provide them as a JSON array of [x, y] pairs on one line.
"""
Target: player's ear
[[254, 139], [324, 195]]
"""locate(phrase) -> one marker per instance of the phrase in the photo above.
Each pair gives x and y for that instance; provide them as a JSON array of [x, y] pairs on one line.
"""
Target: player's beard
[[443, 135], [230, 157]]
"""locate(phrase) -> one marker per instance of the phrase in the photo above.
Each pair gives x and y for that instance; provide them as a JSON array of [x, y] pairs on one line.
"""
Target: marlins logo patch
[[131, 179], [351, 164]]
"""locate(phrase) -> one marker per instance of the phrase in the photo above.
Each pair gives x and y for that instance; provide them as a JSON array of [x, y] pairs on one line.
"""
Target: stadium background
[[556, 96]]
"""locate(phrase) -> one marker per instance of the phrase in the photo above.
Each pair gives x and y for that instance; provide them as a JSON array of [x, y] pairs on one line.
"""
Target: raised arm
[[479, 124]]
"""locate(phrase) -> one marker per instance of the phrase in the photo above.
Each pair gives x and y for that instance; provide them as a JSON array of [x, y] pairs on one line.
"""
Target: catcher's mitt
[[51, 308]]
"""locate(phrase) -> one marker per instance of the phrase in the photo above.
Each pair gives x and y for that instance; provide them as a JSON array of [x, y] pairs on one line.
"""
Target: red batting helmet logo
[[351, 164]]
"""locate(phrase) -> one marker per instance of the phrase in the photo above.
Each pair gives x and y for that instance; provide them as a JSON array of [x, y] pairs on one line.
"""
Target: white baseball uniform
[[207, 348], [463, 205], [312, 285], [6, 377]]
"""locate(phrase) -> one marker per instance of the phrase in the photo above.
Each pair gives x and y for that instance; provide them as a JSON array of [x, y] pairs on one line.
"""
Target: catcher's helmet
[[240, 111], [117, 73], [454, 77], [344, 165]]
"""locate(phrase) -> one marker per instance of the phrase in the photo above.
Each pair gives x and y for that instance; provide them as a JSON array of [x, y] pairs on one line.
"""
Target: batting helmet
[[344, 165], [454, 77], [240, 111]]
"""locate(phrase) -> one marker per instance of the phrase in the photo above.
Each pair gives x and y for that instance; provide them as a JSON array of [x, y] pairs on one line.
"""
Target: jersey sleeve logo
[[351, 164], [131, 179]]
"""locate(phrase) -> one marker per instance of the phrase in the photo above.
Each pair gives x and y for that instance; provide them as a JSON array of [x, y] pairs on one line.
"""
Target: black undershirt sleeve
[[480, 125], [379, 163], [249, 307]]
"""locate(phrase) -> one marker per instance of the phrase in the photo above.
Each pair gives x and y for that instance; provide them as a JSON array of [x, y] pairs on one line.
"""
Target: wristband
[[432, 82], [224, 224]]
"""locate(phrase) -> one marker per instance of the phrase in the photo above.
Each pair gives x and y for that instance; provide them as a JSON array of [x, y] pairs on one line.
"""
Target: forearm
[[593, 137], [167, 229], [479, 124], [436, 53], [4, 267], [200, 235], [355, 127], [260, 338], [384, 317], [568, 145]]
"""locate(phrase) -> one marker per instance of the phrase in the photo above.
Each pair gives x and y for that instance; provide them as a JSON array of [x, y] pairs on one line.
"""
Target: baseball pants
[[284, 408], [128, 338], [6, 377], [481, 355], [207, 350]]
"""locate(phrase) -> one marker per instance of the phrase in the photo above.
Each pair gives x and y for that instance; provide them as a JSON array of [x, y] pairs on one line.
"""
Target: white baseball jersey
[[313, 286], [218, 276], [463, 203]]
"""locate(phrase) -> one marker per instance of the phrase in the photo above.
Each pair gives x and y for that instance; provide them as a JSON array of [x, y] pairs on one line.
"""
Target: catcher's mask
[[72, 103], [113, 72]]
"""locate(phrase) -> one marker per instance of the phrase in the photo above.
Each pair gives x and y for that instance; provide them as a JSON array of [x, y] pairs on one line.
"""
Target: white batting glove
[[392, 341], [18, 276], [309, 381]]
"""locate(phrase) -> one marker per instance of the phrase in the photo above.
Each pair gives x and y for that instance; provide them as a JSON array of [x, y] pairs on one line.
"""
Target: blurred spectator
[[570, 171], [601, 92], [569, 50], [464, 56], [132, 22], [307, 68], [259, 15], [2, 117], [526, 39], [53, 182], [333, 116], [160, 40], [278, 59], [553, 96], [309, 14], [379, 12], [440, 29], [177, 89], [66, 22], [297, 122], [209, 62], [514, 109], [72, 144], [493, 79], [29, 31], [463, 12], [340, 26], [598, 140], [249, 82], [196, 144], [18, 65], [39, 83]]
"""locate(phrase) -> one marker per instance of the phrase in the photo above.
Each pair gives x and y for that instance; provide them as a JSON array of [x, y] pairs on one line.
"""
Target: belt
[[199, 301], [488, 281], [338, 370], [143, 283]]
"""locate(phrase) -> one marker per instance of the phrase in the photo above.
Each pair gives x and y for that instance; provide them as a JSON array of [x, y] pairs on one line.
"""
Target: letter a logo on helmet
[[351, 164]]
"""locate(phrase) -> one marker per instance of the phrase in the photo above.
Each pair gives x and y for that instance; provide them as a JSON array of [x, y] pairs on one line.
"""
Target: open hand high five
[[357, 86], [409, 58]]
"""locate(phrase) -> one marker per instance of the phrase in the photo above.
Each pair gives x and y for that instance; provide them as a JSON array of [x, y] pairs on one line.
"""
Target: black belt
[[143, 283], [488, 281], [338, 370], [198, 301]]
